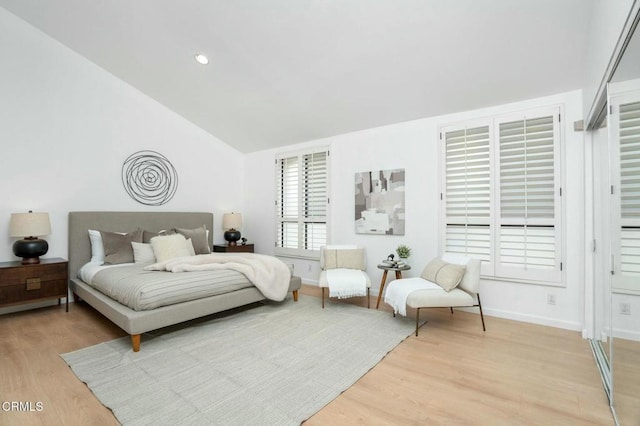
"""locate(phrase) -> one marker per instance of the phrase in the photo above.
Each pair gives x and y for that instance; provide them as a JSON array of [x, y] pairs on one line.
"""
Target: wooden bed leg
[[76, 298], [135, 342], [295, 295]]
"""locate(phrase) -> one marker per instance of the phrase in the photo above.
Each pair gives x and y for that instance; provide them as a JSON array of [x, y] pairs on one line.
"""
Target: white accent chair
[[343, 257], [466, 294]]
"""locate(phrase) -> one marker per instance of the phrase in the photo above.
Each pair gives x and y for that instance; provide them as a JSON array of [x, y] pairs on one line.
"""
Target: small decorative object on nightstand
[[29, 227], [242, 248], [231, 223], [33, 283]]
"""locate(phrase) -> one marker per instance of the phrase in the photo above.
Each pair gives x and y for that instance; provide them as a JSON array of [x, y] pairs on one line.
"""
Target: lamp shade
[[231, 221], [29, 225]]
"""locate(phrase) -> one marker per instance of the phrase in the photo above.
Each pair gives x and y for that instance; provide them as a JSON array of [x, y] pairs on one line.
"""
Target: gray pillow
[[148, 235], [198, 238], [446, 275], [117, 246]]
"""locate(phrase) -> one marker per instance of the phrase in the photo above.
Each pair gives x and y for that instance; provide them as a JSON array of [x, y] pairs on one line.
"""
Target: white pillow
[[143, 253], [167, 247], [97, 248], [191, 248]]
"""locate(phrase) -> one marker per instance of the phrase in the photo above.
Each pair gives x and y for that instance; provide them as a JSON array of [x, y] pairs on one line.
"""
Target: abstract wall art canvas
[[379, 202]]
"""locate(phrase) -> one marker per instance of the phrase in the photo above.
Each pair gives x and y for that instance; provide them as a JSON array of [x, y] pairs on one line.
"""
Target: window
[[625, 191], [501, 194], [302, 200]]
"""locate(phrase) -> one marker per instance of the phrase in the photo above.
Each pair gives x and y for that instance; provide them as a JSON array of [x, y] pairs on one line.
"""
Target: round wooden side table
[[397, 270]]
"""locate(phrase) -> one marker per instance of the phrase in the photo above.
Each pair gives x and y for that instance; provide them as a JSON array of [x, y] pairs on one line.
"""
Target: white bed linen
[[89, 270], [140, 290]]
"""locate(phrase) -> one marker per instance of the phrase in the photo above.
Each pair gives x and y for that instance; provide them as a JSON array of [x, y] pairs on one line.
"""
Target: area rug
[[272, 364]]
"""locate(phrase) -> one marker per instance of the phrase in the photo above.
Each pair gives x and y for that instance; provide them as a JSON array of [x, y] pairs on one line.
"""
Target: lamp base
[[232, 236], [30, 249]]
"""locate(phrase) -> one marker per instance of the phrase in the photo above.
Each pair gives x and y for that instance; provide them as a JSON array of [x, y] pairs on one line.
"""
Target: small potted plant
[[403, 252]]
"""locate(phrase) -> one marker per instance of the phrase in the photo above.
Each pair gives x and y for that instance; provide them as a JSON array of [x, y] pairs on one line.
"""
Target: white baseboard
[[516, 316], [534, 319], [626, 334], [28, 306]]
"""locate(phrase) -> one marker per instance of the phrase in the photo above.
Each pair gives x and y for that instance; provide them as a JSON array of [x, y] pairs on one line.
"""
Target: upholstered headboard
[[81, 222]]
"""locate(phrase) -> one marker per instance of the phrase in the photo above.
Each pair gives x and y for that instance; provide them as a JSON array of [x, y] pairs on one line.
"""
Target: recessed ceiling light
[[201, 59]]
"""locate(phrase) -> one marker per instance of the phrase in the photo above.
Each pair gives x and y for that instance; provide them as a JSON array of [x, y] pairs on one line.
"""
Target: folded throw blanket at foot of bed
[[269, 274]]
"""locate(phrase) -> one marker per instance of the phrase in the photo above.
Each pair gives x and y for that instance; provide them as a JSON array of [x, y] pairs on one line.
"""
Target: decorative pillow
[[117, 247], [148, 235], [167, 247], [198, 238], [143, 253], [97, 249], [446, 275], [344, 258]]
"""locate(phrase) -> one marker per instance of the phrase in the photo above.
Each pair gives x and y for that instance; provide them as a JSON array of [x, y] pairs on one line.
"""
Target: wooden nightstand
[[247, 248], [33, 283]]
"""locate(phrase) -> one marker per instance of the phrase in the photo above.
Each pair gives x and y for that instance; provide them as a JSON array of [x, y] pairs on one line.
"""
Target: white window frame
[[305, 247], [492, 267]]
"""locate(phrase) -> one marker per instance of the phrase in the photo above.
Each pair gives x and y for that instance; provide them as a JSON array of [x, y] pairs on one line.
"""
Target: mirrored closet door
[[624, 157], [620, 331], [614, 122]]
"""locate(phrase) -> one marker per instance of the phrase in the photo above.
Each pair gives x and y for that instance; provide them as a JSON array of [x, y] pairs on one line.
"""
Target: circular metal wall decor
[[149, 178]]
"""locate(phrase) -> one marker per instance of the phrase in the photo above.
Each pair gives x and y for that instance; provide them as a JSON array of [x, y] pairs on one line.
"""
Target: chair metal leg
[[451, 308], [481, 316], [417, 320], [368, 298], [322, 297]]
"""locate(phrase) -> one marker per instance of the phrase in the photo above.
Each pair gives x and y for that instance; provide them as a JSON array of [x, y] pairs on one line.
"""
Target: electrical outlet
[[625, 308], [551, 299]]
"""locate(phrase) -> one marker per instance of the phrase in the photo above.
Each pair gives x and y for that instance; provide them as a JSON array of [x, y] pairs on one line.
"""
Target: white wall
[[66, 127], [413, 146]]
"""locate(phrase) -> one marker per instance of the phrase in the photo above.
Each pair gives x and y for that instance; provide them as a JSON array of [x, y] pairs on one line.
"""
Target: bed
[[137, 322]]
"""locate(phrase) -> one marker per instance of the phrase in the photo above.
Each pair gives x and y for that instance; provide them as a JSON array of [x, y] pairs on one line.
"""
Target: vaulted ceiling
[[288, 71]]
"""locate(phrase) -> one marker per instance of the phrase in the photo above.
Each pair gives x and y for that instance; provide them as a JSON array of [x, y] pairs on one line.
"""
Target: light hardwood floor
[[452, 373]]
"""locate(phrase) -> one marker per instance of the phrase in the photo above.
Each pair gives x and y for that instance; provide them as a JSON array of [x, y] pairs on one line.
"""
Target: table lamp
[[231, 223], [29, 227]]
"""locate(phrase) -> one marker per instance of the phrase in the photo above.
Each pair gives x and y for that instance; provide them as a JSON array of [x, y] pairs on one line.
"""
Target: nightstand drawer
[[30, 283], [17, 276], [32, 290], [247, 248]]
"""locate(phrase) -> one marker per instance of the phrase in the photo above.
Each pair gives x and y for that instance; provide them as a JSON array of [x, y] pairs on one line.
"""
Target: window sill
[[299, 256], [522, 281]]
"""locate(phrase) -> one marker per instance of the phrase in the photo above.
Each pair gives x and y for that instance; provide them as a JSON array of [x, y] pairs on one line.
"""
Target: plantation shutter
[[315, 200], [288, 177], [301, 203], [528, 234], [629, 198], [467, 192]]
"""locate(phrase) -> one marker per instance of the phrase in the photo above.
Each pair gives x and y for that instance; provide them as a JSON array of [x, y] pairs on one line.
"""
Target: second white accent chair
[[437, 287]]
